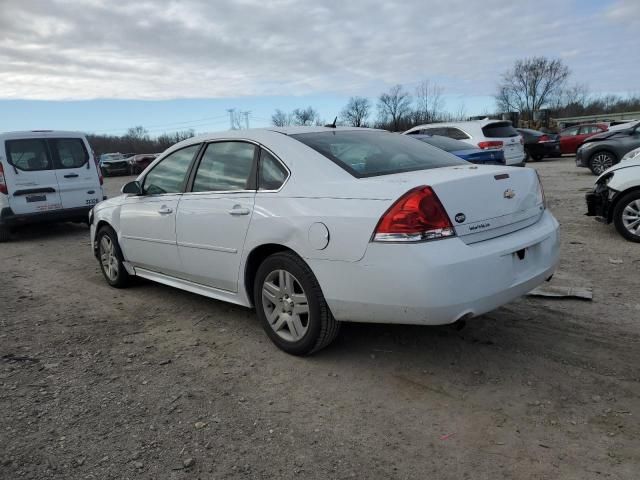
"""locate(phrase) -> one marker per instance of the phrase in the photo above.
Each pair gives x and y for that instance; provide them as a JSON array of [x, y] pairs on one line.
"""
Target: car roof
[[468, 125], [40, 134]]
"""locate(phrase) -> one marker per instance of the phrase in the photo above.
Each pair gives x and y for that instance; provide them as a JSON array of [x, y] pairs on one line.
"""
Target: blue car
[[463, 150]]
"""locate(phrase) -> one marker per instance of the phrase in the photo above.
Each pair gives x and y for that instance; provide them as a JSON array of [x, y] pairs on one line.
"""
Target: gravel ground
[[152, 382]]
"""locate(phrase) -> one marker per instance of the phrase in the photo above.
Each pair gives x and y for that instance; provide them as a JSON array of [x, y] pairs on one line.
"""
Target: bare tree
[[280, 119], [356, 112], [531, 84], [137, 133], [305, 116], [429, 102], [393, 106]]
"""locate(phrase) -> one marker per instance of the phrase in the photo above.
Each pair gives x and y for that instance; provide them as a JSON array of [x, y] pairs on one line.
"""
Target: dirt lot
[[152, 382]]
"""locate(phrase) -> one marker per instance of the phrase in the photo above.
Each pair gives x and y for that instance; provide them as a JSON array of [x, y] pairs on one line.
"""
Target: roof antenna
[[332, 125]]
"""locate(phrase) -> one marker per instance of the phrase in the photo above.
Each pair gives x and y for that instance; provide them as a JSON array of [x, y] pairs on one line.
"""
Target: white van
[[485, 134], [46, 175]]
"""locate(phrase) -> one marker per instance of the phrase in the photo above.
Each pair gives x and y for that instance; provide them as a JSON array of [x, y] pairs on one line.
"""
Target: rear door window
[[499, 130], [225, 166], [456, 134], [29, 155], [569, 132], [69, 152]]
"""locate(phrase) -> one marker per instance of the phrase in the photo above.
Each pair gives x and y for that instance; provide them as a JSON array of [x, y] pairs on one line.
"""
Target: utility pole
[[232, 115], [246, 118]]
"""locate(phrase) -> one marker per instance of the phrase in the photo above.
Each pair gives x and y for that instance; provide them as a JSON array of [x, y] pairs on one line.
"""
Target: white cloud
[[73, 49]]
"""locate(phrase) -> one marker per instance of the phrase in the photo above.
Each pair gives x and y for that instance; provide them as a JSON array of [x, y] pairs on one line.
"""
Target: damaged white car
[[616, 196]]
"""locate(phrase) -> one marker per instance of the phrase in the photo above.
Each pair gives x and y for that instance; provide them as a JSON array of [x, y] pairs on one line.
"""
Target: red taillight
[[491, 144], [543, 138], [417, 215], [3, 183], [95, 162]]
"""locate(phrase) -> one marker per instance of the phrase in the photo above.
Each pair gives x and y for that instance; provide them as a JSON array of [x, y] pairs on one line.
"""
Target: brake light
[[416, 216], [95, 162], [543, 138], [3, 183], [490, 145]]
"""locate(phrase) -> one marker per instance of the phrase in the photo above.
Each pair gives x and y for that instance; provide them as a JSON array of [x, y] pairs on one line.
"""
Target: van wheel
[[626, 216], [110, 258], [5, 234], [291, 306]]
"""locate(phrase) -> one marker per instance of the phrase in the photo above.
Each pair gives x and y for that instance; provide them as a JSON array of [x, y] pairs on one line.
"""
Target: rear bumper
[[10, 219], [439, 282], [551, 149]]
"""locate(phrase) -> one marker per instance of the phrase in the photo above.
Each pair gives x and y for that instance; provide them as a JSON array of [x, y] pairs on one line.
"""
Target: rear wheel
[[626, 216], [110, 258], [601, 161], [537, 158], [291, 306]]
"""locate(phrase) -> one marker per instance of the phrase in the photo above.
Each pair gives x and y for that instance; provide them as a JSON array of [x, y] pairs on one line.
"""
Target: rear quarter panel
[[287, 221]]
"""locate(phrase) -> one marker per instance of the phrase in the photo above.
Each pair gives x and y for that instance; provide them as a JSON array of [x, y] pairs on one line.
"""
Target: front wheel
[[291, 306], [626, 216], [110, 257], [601, 161]]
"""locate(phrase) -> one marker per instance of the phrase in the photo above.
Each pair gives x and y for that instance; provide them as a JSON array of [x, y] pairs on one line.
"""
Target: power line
[[200, 120]]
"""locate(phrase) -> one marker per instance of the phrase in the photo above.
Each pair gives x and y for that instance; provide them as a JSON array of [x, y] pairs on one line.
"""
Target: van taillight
[[416, 216], [3, 182], [490, 145]]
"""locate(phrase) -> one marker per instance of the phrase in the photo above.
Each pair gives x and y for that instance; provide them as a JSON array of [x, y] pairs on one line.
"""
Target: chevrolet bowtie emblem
[[508, 193]]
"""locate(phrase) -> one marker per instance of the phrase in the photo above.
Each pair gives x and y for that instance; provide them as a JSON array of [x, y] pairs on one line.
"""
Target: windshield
[[444, 143], [371, 153]]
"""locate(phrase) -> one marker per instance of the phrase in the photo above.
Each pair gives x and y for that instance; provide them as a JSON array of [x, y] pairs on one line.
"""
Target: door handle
[[71, 175], [239, 211], [164, 210]]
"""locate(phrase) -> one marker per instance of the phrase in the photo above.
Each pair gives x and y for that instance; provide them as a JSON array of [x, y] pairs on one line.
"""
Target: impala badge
[[460, 217], [508, 193]]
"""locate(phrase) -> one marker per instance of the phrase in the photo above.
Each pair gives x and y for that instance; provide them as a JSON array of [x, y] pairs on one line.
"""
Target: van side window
[[29, 155], [68, 152]]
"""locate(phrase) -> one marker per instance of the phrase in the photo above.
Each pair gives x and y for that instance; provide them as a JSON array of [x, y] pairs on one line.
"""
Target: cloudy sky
[[103, 65]]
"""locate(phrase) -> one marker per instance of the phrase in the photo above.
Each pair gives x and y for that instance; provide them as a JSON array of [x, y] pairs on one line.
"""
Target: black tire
[[600, 161], [537, 158], [121, 277], [625, 201], [527, 156], [321, 327], [5, 234]]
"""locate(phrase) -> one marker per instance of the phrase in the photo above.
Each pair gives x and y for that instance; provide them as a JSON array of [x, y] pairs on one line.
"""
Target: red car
[[571, 138]]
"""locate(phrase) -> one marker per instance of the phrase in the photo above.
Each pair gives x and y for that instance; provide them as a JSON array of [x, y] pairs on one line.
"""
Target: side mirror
[[132, 188]]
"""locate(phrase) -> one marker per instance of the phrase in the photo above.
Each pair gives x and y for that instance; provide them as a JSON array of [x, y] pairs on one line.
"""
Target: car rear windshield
[[371, 153], [499, 130], [445, 143]]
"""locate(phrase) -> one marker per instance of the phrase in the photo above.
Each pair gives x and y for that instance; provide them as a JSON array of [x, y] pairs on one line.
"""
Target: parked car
[[538, 145], [138, 163], [616, 197], [463, 150], [46, 175], [571, 138], [484, 134], [296, 223], [114, 164], [602, 151]]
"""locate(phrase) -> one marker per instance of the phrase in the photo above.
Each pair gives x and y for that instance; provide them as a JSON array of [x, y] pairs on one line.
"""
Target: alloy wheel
[[108, 258], [285, 305], [631, 217], [601, 162]]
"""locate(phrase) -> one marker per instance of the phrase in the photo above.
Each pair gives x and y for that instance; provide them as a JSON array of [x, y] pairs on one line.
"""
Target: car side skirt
[[192, 287]]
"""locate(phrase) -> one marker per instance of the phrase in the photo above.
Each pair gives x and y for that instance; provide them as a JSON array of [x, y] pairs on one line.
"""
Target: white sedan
[[313, 226]]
